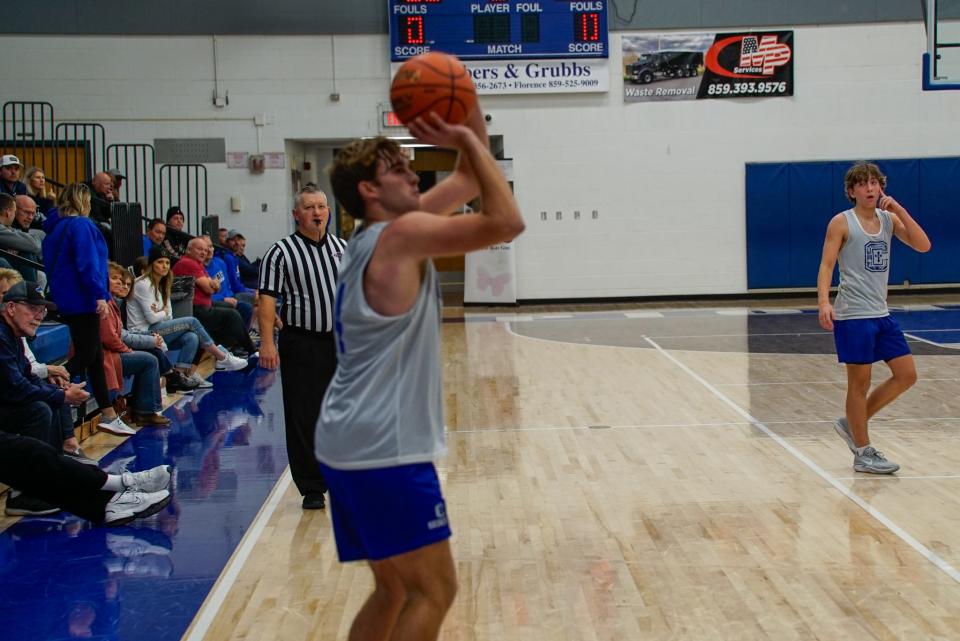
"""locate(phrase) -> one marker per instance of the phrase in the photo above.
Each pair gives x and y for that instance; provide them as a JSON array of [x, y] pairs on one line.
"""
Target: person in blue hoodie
[[226, 296], [75, 256]]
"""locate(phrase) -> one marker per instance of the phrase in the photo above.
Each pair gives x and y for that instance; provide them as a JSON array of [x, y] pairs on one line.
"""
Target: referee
[[301, 270]]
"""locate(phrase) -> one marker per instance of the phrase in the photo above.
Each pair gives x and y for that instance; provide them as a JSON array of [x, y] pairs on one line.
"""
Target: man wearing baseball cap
[[30, 406], [118, 179], [240, 291], [10, 183]]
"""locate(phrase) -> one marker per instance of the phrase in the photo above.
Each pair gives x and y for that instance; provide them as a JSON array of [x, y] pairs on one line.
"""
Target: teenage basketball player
[[862, 328], [381, 423]]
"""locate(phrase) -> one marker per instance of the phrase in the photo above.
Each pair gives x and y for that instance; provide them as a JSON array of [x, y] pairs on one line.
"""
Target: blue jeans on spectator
[[186, 334], [163, 363], [146, 380], [38, 420]]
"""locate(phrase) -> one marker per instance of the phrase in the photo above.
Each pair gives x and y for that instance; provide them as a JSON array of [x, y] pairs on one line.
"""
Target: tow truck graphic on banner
[[677, 66]]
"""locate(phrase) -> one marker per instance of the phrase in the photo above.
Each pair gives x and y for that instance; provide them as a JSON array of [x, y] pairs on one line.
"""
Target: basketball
[[436, 82]]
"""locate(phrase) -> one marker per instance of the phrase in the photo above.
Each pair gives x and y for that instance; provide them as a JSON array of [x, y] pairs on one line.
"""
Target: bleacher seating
[[52, 344]]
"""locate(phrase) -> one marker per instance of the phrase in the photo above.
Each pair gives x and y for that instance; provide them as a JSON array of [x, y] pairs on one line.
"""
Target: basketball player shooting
[[381, 423]]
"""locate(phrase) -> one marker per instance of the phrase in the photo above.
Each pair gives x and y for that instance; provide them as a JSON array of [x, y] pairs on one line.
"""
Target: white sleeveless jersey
[[384, 406], [864, 269]]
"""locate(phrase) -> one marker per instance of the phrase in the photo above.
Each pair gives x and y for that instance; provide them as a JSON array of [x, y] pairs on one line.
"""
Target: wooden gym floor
[[648, 475], [651, 473]]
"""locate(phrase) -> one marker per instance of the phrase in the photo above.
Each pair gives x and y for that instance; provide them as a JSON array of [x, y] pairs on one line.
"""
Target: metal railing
[[28, 129], [186, 187], [89, 136], [75, 151], [138, 163]]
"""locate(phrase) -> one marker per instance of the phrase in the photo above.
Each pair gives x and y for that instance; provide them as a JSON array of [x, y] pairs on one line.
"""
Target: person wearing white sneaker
[[224, 324], [231, 363], [35, 400], [41, 472], [129, 505], [114, 426], [860, 239], [149, 310]]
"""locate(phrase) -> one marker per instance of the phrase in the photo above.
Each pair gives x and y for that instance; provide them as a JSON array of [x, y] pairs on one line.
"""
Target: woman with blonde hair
[[149, 310], [75, 256], [41, 191]]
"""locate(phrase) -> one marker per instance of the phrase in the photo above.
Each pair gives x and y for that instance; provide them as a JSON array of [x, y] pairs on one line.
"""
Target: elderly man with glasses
[[30, 406]]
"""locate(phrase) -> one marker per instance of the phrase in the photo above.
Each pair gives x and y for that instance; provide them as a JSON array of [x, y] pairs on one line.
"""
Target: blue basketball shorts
[[383, 512], [864, 341]]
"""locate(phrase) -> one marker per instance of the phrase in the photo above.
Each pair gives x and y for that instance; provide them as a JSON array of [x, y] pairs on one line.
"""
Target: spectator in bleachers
[[41, 192], [150, 311], [223, 324], [175, 240], [152, 342], [75, 256], [101, 198], [11, 238], [29, 406], [156, 232], [55, 375], [10, 176], [15, 241], [120, 360], [26, 217], [249, 271], [117, 179], [225, 296], [59, 482], [222, 236], [24, 221], [241, 291]]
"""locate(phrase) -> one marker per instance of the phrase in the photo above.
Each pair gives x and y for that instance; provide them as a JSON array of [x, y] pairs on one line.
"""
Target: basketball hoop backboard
[[941, 62]]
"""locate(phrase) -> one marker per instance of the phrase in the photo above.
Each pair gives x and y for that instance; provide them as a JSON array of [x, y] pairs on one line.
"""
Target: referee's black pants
[[37, 469], [307, 363]]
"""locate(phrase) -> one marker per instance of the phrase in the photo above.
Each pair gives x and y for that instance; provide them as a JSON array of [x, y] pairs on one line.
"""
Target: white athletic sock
[[114, 483], [860, 450]]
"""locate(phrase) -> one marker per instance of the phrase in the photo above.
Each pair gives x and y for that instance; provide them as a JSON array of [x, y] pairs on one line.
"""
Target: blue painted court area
[[61, 578], [938, 326]]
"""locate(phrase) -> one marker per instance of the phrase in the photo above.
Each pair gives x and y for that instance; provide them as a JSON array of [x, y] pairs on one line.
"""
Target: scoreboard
[[499, 29]]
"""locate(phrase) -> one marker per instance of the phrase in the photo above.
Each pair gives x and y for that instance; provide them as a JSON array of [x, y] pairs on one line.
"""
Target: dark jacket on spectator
[[18, 386], [175, 244], [100, 209], [16, 188], [43, 205], [75, 256], [249, 272]]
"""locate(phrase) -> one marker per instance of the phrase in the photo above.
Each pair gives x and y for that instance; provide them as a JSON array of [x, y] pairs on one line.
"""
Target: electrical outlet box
[[236, 205]]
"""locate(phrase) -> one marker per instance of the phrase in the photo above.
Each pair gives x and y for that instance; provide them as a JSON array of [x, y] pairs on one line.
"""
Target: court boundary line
[[883, 477], [895, 529], [888, 422], [929, 342], [210, 607], [508, 326]]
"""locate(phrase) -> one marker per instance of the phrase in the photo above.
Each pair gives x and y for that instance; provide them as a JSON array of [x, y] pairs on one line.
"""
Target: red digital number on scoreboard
[[411, 30], [586, 27]]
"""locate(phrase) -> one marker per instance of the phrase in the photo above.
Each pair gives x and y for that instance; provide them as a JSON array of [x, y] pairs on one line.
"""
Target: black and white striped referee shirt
[[304, 274]]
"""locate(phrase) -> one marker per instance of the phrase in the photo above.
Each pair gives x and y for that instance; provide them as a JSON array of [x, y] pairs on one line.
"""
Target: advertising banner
[[536, 76], [677, 66]]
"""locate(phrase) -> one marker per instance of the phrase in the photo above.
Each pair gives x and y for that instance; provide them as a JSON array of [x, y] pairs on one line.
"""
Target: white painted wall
[[666, 178]]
